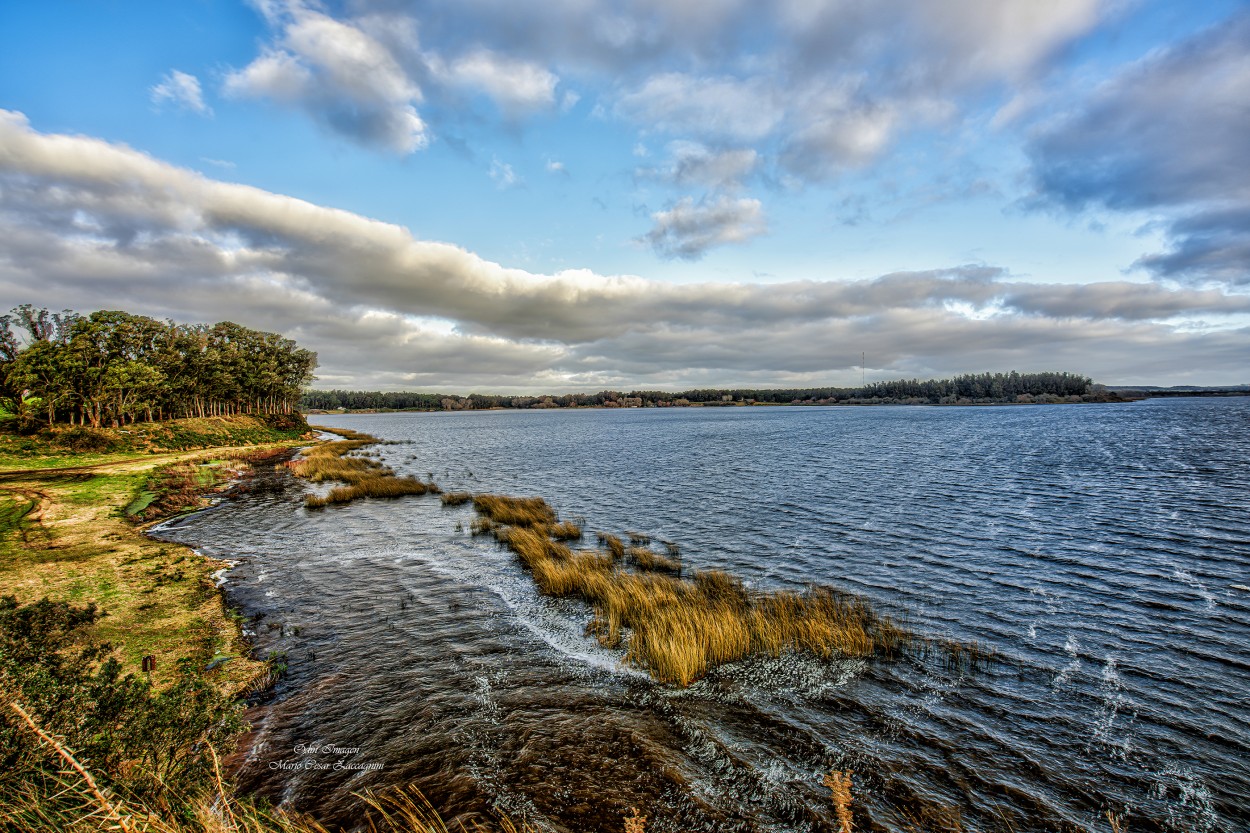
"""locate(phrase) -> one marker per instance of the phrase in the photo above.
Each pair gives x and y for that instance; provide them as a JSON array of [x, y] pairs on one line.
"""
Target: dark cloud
[[687, 229], [1167, 137]]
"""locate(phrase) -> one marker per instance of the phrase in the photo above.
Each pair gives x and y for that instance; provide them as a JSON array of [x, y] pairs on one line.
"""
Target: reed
[[615, 546], [839, 784], [363, 476], [645, 559], [384, 486], [515, 511], [566, 531], [680, 627], [456, 498]]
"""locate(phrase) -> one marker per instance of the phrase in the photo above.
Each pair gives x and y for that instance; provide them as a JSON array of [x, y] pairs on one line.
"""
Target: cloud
[[721, 107], [503, 175], [94, 224], [182, 90], [1166, 138], [516, 86], [342, 77], [688, 229], [691, 163]]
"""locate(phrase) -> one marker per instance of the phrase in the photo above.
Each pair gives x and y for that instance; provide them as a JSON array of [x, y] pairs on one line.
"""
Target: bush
[[144, 744], [84, 439]]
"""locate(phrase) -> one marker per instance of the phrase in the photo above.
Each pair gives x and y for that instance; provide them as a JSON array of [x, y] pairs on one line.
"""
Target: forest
[[967, 389], [110, 368]]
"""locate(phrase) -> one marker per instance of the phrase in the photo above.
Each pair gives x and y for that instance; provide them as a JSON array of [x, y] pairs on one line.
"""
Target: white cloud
[[341, 76], [503, 175], [94, 224], [516, 86], [724, 107], [181, 90]]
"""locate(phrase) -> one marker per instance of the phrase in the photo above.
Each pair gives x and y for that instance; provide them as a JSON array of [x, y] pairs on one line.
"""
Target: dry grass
[[385, 486], [456, 498], [636, 822], [515, 511], [364, 477], [839, 784], [678, 628], [645, 559], [615, 546], [566, 531]]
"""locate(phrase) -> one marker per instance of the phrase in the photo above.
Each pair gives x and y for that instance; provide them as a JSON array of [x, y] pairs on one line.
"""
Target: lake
[[1093, 548]]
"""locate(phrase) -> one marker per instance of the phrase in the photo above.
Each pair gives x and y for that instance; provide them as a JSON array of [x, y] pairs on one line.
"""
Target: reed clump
[[678, 627], [362, 476], [566, 531], [456, 498], [515, 511], [646, 559], [385, 486], [614, 545]]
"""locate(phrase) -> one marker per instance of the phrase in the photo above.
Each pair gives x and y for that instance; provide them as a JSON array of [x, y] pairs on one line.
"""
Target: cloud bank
[[94, 224]]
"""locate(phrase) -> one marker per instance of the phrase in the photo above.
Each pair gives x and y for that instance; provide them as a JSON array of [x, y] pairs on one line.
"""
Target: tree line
[[968, 388], [111, 368]]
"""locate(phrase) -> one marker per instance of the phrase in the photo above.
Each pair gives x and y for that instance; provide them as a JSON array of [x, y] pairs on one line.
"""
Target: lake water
[[1093, 547]]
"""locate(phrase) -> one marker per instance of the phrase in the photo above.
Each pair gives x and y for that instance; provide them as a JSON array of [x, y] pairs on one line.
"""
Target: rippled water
[[1093, 547]]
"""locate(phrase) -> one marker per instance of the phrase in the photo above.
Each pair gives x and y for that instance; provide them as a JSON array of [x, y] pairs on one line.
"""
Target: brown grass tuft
[[384, 486], [615, 546], [636, 822], [839, 784], [364, 477], [645, 559], [515, 511], [456, 498], [566, 531]]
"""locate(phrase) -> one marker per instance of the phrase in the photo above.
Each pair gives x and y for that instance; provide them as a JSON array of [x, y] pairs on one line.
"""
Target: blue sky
[[580, 194]]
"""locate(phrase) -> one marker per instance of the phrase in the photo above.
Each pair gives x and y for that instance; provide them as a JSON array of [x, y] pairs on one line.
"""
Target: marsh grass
[[456, 498], [645, 559], [566, 531], [676, 627], [363, 475], [515, 511]]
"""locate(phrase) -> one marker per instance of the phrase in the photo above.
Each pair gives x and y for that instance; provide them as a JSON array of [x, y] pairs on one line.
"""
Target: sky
[[579, 195]]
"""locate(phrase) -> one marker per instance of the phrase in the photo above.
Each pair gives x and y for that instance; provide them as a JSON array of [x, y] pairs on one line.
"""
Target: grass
[[364, 477], [646, 559], [676, 627], [65, 446], [515, 511], [385, 486]]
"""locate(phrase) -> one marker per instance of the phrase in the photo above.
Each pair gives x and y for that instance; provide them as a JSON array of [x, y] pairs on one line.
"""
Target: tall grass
[[363, 477], [680, 627], [515, 511]]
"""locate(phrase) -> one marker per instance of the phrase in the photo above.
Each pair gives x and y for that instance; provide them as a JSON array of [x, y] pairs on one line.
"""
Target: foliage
[[113, 368], [983, 387], [141, 743]]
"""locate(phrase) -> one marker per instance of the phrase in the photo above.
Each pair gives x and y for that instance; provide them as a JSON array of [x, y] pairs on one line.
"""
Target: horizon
[[450, 197]]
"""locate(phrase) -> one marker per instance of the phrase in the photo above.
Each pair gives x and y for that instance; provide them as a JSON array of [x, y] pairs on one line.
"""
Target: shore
[[72, 528]]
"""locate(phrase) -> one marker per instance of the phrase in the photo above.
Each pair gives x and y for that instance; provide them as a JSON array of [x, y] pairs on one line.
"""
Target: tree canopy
[[973, 387], [112, 367]]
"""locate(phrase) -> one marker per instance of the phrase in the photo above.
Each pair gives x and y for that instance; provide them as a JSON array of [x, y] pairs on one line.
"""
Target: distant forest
[[110, 368], [962, 390]]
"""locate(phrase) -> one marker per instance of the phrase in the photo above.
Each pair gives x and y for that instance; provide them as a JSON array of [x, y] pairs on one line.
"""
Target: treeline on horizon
[[971, 388], [111, 368]]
